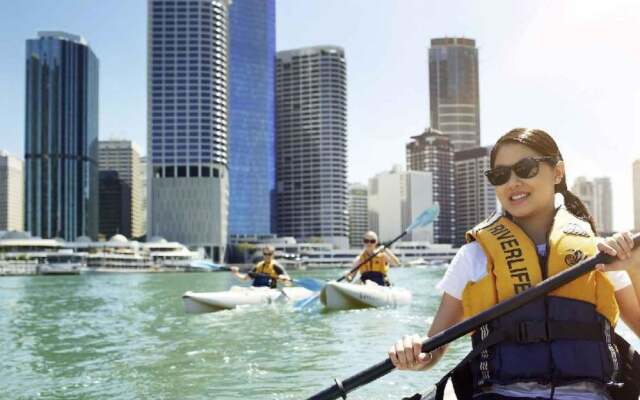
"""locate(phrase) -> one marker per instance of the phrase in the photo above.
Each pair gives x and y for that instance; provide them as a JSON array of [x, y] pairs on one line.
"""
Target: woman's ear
[[558, 172]]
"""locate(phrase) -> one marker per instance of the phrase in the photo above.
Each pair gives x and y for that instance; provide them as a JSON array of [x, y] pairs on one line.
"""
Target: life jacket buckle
[[531, 332]]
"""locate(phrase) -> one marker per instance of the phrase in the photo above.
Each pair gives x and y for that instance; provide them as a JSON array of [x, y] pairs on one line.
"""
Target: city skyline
[[572, 98]]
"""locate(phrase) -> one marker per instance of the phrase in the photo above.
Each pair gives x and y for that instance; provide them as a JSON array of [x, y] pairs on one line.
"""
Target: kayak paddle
[[341, 388], [204, 264], [425, 218]]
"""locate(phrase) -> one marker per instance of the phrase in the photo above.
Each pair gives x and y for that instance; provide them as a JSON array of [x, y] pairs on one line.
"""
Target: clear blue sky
[[571, 67]]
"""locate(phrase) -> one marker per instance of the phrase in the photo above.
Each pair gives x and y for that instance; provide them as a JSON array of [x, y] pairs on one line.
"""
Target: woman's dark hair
[[541, 142]]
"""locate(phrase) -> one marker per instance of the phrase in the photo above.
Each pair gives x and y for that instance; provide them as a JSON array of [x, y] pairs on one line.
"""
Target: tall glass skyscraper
[[454, 91], [61, 137], [251, 116], [311, 161], [187, 122]]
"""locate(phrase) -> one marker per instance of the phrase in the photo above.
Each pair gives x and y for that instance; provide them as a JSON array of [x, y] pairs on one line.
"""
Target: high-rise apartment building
[[61, 137], [11, 192], [432, 152], [187, 130], [311, 154], [115, 205], [604, 204], [252, 47], [597, 197], [475, 196], [123, 157], [143, 193], [636, 195], [396, 199], [454, 94], [358, 213]]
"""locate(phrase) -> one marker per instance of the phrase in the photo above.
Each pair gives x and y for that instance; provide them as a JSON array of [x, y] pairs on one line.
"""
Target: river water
[[125, 336]]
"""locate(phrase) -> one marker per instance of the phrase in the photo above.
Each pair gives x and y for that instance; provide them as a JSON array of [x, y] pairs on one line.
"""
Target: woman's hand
[[286, 280], [620, 245], [407, 354]]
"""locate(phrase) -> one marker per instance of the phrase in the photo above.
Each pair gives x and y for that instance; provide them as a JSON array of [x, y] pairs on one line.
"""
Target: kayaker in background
[[558, 347], [377, 268], [267, 272]]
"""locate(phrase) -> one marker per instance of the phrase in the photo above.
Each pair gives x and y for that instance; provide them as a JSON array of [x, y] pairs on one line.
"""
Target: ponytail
[[574, 205]]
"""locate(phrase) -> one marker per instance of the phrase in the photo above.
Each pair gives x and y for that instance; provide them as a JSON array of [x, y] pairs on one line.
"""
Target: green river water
[[125, 336]]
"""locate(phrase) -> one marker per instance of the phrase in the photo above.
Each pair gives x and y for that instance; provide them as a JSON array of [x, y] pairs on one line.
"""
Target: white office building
[[395, 199], [11, 193], [597, 197]]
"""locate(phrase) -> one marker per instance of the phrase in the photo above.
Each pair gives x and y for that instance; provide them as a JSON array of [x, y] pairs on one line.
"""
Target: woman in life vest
[[561, 346], [266, 273], [377, 268]]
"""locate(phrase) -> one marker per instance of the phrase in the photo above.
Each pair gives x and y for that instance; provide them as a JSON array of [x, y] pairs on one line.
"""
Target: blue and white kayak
[[203, 302]]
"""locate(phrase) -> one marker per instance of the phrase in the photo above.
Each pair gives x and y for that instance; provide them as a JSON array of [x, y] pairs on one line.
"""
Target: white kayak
[[196, 303], [344, 296]]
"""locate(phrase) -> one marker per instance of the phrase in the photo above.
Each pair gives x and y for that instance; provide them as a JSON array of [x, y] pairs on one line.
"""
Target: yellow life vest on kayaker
[[513, 265], [377, 264], [267, 268]]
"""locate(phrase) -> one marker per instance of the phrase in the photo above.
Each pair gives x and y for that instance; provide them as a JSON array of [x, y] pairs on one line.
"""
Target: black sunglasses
[[372, 241], [267, 254], [526, 168]]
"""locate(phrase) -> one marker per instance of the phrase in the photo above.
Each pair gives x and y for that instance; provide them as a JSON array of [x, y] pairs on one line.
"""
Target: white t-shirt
[[470, 265]]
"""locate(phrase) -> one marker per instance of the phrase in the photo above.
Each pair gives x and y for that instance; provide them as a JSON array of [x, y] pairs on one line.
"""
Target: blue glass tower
[[252, 116], [61, 137]]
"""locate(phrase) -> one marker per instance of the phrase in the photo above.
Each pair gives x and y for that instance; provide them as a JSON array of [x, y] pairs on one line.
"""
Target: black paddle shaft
[[341, 388], [382, 248]]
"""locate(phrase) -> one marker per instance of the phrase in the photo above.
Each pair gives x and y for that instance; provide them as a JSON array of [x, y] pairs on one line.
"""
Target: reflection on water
[[126, 336]]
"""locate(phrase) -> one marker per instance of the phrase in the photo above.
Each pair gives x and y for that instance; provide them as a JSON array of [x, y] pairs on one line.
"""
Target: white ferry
[[115, 255], [171, 255], [409, 254], [63, 263], [22, 254]]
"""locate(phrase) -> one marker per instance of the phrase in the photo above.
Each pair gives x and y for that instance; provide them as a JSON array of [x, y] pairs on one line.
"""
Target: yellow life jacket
[[566, 336], [513, 265], [376, 264], [267, 268]]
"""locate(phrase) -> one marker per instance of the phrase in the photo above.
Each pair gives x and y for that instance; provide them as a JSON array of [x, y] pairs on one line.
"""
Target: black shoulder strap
[[629, 372]]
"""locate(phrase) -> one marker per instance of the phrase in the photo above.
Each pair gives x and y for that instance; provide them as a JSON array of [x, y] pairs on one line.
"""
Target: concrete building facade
[[11, 192], [395, 199]]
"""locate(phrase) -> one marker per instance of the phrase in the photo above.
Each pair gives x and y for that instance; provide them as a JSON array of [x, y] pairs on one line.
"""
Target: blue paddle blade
[[209, 265], [309, 283], [304, 303], [428, 216]]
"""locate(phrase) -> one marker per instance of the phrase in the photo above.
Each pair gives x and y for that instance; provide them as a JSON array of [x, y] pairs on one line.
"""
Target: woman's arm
[[391, 258], [620, 245], [629, 308], [407, 353], [236, 272], [354, 264]]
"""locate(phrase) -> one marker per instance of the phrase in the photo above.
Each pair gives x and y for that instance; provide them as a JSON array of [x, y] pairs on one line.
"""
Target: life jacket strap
[[544, 331]]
